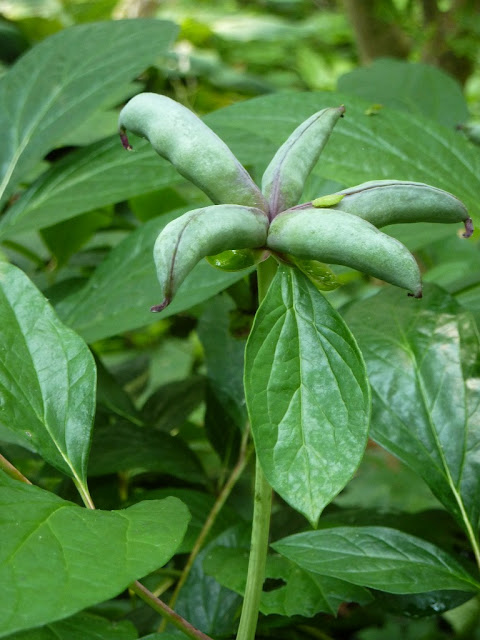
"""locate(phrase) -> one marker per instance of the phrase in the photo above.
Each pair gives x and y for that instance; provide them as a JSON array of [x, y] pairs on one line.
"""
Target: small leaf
[[377, 557], [47, 378], [57, 558], [307, 394]]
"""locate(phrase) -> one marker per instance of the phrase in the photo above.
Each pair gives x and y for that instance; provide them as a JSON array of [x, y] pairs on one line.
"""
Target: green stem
[[84, 494], [261, 512], [212, 516]]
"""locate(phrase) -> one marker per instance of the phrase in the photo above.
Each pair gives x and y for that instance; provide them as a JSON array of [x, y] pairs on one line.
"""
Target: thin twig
[[12, 471]]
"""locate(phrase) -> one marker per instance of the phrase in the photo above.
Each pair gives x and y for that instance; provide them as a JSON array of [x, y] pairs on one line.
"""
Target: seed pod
[[204, 232], [284, 179], [194, 149], [336, 237], [237, 259], [386, 202]]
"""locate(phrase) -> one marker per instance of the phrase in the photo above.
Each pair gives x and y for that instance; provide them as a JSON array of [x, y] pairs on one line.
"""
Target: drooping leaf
[[307, 394], [61, 81], [47, 378], [81, 626], [120, 293], [57, 558], [377, 557], [419, 89], [422, 361]]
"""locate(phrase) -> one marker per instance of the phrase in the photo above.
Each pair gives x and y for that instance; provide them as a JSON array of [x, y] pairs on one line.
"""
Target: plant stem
[[84, 494], [212, 516], [164, 610], [261, 512], [12, 471]]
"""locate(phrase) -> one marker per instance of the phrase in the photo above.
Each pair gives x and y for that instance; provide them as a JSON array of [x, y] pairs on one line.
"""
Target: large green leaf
[[307, 394], [377, 557], [57, 558], [417, 88], [47, 378], [391, 145], [120, 293], [81, 626], [422, 360], [88, 178], [61, 81]]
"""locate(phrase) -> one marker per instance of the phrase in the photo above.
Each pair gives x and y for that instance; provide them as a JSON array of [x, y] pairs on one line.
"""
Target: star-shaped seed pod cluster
[[247, 224]]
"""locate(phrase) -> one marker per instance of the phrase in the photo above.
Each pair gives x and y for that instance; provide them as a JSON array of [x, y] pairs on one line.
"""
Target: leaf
[[199, 505], [124, 446], [57, 558], [120, 293], [81, 626], [392, 145], [302, 593], [47, 378], [172, 403], [95, 176], [226, 413], [61, 81], [421, 360], [377, 557], [419, 89], [307, 394]]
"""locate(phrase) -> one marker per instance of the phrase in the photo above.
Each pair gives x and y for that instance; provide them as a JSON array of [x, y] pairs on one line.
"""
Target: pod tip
[[124, 139], [468, 228], [418, 294], [160, 307]]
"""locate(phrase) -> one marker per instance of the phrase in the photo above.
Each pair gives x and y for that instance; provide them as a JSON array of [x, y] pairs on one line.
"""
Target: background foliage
[[79, 218]]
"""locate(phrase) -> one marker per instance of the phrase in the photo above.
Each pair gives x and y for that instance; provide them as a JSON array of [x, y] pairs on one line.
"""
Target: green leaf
[[302, 593], [392, 145], [82, 626], [171, 404], [47, 378], [120, 293], [307, 394], [95, 176], [124, 446], [421, 360], [61, 81], [377, 557], [57, 558], [419, 89]]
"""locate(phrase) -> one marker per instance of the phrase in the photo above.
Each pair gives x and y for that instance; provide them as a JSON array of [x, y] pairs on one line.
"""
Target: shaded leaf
[[120, 293], [57, 558], [59, 82], [377, 557], [307, 394], [422, 361], [47, 378]]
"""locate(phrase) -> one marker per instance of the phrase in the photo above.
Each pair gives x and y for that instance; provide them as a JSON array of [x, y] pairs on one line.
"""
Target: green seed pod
[[336, 237], [386, 202], [204, 232], [194, 149], [284, 179], [318, 273], [236, 259]]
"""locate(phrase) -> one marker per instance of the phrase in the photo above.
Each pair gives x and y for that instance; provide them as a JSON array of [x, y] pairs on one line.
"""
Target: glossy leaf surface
[[57, 85], [422, 363], [47, 378], [75, 557], [82, 626], [307, 394], [377, 557]]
